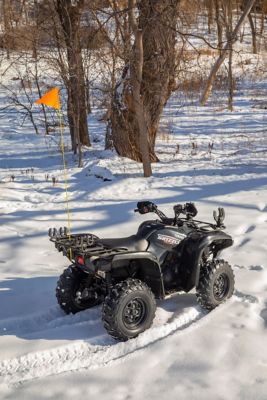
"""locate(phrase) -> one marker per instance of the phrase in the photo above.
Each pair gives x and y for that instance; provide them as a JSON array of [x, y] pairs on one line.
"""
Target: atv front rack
[[80, 244]]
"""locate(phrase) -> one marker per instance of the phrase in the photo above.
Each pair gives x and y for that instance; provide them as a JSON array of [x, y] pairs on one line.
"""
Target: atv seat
[[130, 243]]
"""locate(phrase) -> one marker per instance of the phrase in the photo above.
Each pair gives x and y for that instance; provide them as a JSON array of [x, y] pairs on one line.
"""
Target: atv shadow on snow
[[43, 318]]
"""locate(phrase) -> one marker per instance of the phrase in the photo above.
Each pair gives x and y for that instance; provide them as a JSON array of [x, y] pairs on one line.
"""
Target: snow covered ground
[[188, 353]]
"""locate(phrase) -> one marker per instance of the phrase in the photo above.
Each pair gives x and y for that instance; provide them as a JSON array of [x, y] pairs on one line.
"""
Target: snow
[[188, 353]]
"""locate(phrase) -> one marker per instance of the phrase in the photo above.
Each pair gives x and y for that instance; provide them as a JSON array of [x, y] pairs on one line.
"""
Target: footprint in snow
[[255, 268], [262, 206], [245, 298], [239, 266], [243, 242], [263, 314], [250, 228]]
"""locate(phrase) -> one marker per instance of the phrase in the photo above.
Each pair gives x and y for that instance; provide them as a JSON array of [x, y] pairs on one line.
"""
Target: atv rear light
[[80, 260]]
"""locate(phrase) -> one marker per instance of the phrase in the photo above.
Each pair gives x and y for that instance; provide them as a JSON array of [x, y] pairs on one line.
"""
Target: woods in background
[[144, 48]]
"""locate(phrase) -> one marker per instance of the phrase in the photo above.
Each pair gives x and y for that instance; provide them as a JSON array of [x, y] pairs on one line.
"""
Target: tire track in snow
[[82, 354]]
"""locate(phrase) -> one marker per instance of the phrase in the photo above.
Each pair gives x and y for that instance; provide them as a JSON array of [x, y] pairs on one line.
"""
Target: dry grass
[[208, 52], [193, 84]]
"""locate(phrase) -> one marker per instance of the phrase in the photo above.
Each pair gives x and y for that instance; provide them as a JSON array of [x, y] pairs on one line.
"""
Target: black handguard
[[190, 210], [145, 207]]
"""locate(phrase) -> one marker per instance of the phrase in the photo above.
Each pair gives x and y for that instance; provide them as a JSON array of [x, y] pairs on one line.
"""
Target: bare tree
[[147, 81], [253, 31], [7, 26], [217, 4], [69, 14], [229, 32], [136, 73], [227, 47]]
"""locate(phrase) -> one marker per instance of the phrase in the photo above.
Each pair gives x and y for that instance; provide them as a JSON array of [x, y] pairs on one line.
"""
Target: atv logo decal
[[168, 239], [179, 235]]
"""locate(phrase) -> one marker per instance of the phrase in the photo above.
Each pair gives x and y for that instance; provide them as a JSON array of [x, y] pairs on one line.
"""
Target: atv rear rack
[[80, 244]]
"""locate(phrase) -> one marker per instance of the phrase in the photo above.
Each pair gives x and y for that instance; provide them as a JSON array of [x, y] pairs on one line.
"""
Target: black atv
[[165, 256]]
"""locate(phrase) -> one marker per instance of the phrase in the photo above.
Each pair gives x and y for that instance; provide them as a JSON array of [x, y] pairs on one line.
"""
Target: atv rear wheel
[[129, 309], [216, 284], [69, 287]]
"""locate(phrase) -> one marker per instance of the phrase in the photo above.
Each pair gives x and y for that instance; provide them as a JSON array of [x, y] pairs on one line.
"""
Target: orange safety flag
[[50, 99]]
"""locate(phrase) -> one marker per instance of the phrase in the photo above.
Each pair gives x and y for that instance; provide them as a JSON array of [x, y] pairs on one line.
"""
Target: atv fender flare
[[193, 248], [149, 269]]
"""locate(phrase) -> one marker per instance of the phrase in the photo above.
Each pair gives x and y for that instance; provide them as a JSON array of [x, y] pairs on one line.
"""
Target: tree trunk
[[136, 72], [69, 16], [157, 22], [253, 34], [219, 24], [210, 15], [263, 13], [71, 121], [6, 16], [220, 60], [230, 57]]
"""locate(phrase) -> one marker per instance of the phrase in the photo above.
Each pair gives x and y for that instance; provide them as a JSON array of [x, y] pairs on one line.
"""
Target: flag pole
[[51, 99], [61, 128]]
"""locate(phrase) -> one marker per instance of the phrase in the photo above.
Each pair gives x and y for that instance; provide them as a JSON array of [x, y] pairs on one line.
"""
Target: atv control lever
[[189, 209], [219, 218]]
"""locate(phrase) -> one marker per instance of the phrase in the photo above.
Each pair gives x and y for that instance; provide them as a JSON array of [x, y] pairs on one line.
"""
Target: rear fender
[[148, 269], [193, 248]]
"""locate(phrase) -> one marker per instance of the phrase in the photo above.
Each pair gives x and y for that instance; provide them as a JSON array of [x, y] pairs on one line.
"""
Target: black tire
[[68, 284], [216, 284], [129, 309]]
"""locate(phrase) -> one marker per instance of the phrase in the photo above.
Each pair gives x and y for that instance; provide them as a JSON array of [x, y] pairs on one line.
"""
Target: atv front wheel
[[216, 284], [129, 309], [69, 288]]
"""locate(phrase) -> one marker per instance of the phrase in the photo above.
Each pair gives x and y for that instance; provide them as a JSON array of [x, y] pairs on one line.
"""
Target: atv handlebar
[[188, 209]]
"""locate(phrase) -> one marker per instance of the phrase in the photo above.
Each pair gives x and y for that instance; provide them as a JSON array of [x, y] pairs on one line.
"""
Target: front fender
[[191, 253]]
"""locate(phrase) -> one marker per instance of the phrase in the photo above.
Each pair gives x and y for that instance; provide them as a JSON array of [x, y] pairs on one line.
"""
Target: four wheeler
[[165, 256]]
